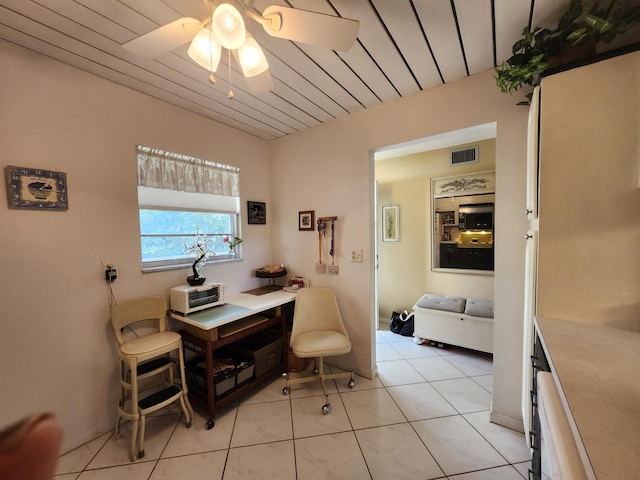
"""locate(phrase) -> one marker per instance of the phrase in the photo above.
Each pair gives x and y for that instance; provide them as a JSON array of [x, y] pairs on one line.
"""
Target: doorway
[[402, 179]]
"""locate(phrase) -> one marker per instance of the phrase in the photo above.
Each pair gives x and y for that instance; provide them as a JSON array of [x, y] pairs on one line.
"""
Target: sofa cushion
[[437, 302], [479, 308]]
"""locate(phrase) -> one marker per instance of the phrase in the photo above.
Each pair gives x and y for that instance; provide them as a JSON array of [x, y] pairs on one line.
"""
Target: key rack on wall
[[323, 224]]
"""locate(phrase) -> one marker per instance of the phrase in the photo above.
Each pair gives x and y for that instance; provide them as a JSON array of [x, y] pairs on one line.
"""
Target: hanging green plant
[[577, 32]]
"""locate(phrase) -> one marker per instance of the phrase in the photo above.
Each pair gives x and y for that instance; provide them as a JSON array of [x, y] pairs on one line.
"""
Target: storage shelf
[[207, 347]]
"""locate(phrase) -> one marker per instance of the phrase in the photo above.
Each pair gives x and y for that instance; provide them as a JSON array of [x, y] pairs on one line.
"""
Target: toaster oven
[[187, 299]]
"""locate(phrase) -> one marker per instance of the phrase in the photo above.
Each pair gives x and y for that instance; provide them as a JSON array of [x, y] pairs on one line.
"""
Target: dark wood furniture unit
[[206, 349]]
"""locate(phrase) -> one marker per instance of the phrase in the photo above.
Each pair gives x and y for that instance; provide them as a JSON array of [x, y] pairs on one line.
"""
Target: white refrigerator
[[583, 200]]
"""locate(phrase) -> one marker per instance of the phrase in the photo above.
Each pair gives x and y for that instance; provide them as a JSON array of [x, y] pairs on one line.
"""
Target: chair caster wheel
[[285, 391], [188, 424], [315, 371], [210, 424], [352, 384], [141, 454], [285, 376], [326, 409]]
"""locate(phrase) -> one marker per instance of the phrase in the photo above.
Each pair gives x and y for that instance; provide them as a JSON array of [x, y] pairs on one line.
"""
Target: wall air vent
[[462, 156]]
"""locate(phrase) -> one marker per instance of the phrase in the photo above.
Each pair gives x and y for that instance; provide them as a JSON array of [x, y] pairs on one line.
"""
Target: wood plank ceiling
[[403, 47]]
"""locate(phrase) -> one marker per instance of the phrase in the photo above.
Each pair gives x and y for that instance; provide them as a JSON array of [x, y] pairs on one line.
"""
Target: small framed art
[[257, 212], [36, 189], [390, 223], [306, 221]]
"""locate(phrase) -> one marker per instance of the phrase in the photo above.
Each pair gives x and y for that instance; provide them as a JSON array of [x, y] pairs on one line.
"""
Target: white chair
[[318, 331], [146, 365]]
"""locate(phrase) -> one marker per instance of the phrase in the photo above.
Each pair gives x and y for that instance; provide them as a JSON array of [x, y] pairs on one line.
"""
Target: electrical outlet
[[110, 274], [356, 256], [334, 269]]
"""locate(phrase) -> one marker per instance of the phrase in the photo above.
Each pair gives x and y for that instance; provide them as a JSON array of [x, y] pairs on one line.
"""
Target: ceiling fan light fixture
[[251, 58], [204, 50], [228, 26]]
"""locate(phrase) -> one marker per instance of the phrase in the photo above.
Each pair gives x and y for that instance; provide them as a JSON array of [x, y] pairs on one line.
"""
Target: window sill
[[181, 266]]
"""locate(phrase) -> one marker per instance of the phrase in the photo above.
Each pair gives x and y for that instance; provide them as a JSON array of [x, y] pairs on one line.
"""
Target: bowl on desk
[[271, 272]]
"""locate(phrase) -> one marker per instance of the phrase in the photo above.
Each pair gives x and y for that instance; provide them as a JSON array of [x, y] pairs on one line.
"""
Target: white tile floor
[[425, 417]]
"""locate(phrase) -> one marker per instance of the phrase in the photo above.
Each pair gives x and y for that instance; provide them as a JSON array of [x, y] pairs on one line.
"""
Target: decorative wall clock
[[36, 189]]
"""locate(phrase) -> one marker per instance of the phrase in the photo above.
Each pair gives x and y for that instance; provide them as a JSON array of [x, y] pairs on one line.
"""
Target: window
[[463, 220], [179, 196]]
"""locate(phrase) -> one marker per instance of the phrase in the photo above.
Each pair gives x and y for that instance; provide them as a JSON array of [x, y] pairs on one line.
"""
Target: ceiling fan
[[225, 28]]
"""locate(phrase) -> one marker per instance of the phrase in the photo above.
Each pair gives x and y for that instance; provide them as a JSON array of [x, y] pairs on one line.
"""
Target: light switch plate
[[356, 256]]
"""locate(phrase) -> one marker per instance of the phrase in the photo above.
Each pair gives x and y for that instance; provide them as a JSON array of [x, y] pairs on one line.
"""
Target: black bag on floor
[[395, 324], [402, 323]]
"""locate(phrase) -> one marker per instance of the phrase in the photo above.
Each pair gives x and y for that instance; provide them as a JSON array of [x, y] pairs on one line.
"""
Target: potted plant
[[605, 24], [232, 242], [577, 33], [202, 251]]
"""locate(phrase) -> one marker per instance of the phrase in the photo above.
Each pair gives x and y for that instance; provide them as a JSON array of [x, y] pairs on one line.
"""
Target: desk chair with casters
[[318, 331], [146, 359]]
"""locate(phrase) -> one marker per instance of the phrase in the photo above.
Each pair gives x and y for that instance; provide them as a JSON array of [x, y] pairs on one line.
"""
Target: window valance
[[173, 171]]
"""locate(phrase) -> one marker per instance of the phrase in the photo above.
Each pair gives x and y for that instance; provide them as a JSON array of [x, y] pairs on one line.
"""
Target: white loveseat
[[456, 321]]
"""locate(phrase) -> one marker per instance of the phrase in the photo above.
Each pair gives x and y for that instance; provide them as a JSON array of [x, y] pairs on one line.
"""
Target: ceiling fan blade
[[326, 31], [165, 38], [261, 83]]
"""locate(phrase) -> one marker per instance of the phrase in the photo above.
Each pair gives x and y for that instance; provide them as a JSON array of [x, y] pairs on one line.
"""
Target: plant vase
[[196, 279], [569, 54]]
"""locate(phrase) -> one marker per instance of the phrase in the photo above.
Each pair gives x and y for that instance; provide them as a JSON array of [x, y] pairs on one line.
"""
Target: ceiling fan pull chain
[[230, 94]]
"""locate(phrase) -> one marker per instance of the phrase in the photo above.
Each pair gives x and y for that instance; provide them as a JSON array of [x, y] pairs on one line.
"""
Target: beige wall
[[57, 351], [330, 169], [405, 268]]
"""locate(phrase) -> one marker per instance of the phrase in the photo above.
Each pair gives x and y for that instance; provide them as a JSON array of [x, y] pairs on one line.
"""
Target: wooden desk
[[243, 315]]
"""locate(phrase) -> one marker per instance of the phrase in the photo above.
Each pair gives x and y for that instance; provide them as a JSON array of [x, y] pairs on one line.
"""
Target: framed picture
[[257, 212], [390, 223], [306, 221], [36, 189], [470, 184]]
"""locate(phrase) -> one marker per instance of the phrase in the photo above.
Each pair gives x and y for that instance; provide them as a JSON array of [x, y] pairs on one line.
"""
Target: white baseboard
[[363, 372], [509, 422]]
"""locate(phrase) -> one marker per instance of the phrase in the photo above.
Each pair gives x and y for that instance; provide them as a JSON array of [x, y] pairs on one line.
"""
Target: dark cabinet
[[447, 255], [482, 258], [466, 257], [451, 256]]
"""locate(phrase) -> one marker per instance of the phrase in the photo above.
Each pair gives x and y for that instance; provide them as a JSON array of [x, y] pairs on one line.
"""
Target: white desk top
[[597, 369], [237, 306]]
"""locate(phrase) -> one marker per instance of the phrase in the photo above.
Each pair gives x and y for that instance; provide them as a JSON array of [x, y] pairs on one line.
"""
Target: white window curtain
[[173, 171]]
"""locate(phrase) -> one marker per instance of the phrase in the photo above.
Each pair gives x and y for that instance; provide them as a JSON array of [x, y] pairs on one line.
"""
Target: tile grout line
[[351, 426]]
